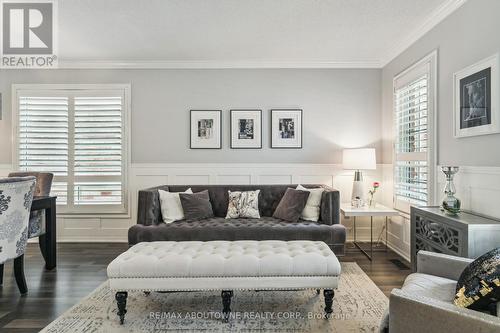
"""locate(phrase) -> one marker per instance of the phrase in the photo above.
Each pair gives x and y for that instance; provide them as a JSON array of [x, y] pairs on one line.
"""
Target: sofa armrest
[[141, 233], [148, 207], [442, 265], [410, 313], [330, 206]]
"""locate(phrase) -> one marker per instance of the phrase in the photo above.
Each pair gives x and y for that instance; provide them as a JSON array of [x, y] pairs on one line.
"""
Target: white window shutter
[[411, 143], [79, 135]]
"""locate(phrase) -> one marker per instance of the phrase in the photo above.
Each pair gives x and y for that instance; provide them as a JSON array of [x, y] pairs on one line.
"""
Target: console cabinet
[[466, 235]]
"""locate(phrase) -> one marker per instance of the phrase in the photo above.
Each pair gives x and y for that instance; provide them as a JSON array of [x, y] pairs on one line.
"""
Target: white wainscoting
[[108, 229], [478, 187]]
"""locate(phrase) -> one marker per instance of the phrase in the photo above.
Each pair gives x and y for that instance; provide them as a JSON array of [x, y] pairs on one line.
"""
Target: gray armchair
[[425, 301]]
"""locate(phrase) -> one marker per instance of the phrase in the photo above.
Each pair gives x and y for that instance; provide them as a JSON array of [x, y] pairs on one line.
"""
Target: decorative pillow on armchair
[[479, 284], [243, 204]]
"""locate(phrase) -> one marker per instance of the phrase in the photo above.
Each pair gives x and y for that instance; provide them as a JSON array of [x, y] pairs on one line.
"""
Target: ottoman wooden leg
[[121, 300], [226, 303], [328, 293]]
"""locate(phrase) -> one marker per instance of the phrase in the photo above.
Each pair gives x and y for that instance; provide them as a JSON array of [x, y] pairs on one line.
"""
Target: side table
[[377, 211]]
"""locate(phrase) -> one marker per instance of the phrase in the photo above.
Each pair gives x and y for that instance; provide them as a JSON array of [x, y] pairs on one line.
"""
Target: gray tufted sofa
[[150, 226]]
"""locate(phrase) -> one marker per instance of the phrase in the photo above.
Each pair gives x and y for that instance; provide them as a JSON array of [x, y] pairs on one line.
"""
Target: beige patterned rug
[[358, 307]]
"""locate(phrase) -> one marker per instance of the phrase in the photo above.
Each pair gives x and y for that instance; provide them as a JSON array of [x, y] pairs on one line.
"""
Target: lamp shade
[[359, 159]]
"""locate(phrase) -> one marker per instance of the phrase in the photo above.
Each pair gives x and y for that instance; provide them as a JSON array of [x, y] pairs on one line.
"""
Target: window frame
[[427, 65], [93, 210]]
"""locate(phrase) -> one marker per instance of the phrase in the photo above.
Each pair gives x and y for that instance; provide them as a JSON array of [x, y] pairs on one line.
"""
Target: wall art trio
[[245, 129]]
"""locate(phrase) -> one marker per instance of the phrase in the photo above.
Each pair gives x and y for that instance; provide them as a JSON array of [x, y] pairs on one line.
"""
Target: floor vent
[[399, 264]]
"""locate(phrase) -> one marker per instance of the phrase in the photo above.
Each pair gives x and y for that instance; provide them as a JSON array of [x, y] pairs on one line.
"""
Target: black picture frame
[[191, 128], [231, 144], [480, 84], [272, 145], [476, 100]]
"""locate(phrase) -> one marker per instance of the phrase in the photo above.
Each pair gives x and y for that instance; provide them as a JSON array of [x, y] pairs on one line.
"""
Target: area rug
[[358, 307]]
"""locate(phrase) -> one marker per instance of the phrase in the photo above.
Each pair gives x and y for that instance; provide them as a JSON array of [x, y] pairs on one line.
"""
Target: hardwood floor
[[82, 267]]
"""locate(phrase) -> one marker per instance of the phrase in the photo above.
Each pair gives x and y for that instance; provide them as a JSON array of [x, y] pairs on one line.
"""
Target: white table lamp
[[359, 159]]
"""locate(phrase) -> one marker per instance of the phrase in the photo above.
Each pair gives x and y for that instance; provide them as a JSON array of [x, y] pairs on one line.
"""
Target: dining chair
[[36, 226], [16, 195]]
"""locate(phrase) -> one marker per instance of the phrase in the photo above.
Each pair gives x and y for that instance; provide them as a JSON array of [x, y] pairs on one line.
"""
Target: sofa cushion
[[170, 204], [430, 286], [217, 228], [313, 204], [243, 204], [196, 206], [291, 205]]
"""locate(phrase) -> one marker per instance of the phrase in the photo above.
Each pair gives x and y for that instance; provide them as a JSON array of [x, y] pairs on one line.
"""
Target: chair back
[[16, 196], [43, 181]]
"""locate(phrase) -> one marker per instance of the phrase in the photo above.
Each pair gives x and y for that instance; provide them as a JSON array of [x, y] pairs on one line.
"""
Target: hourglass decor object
[[451, 204]]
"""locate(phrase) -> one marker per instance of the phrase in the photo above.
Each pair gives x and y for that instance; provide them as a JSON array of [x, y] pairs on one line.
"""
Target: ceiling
[[242, 33]]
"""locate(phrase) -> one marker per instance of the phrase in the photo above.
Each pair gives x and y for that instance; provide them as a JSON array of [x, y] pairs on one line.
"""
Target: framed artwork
[[246, 129], [476, 104], [206, 129], [286, 128]]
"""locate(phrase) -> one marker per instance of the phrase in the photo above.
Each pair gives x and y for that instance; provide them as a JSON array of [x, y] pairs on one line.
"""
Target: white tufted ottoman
[[226, 266]]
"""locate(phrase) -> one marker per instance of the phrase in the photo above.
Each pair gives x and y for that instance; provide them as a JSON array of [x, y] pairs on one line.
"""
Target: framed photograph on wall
[[286, 128], [246, 129], [206, 129], [476, 103]]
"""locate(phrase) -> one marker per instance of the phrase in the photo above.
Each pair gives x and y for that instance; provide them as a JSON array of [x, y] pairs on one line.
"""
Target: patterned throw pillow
[[479, 284], [243, 204]]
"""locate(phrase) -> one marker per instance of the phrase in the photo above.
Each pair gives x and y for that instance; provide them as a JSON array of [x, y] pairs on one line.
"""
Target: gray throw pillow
[[196, 206], [291, 205]]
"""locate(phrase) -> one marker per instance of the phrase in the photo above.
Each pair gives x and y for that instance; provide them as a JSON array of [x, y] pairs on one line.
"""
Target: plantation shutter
[[411, 169], [98, 150], [79, 135], [43, 138]]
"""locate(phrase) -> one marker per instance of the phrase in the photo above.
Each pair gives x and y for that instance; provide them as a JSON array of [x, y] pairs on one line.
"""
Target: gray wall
[[341, 108], [467, 36]]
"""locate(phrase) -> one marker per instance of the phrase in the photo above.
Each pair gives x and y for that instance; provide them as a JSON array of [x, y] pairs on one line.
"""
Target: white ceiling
[[246, 33]]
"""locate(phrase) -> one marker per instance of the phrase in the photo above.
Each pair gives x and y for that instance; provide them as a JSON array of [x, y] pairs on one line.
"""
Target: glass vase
[[451, 204]]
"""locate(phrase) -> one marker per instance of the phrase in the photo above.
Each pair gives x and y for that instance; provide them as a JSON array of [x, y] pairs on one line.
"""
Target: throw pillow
[[291, 205], [170, 206], [479, 284], [196, 206], [243, 204], [312, 208]]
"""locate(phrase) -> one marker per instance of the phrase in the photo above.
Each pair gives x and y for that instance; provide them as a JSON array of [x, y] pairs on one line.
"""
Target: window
[[414, 92], [79, 133]]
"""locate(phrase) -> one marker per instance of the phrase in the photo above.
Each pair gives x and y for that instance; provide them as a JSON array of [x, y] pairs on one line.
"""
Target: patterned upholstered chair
[[16, 195], [43, 185]]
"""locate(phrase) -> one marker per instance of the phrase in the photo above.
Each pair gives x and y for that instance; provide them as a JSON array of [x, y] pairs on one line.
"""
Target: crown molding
[[149, 64], [436, 17]]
